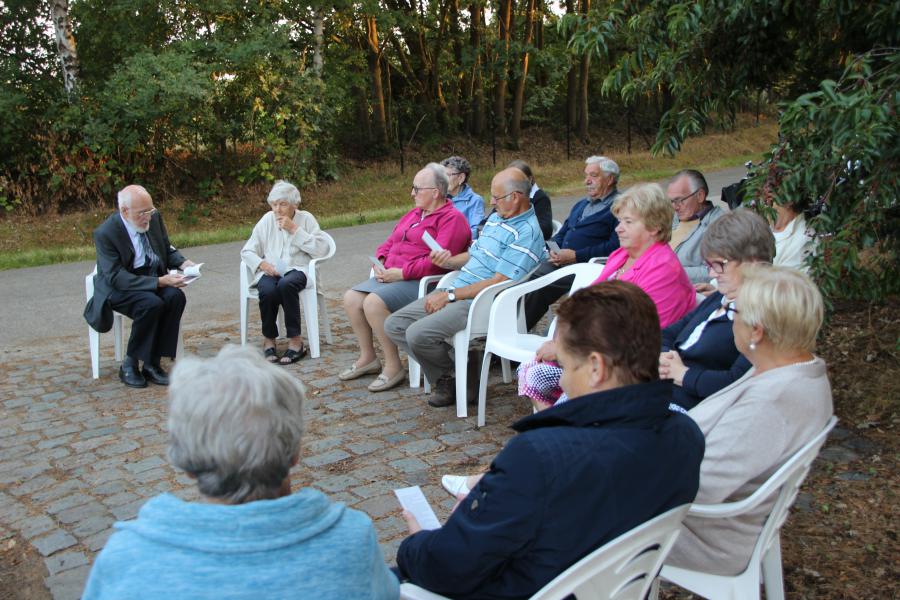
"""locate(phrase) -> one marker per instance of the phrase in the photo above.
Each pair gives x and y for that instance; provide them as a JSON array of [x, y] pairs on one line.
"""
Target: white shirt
[[133, 235]]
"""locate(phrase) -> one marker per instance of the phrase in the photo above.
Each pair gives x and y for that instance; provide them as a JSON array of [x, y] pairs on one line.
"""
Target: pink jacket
[[659, 273], [405, 249]]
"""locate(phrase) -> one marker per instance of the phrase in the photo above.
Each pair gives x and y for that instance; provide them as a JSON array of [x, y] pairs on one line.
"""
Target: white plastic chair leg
[[482, 388], [772, 574], [245, 307], [507, 370], [415, 373], [461, 353], [94, 344], [311, 318]]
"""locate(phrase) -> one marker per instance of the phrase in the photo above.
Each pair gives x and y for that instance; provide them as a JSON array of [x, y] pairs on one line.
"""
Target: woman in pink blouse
[[405, 257], [645, 259]]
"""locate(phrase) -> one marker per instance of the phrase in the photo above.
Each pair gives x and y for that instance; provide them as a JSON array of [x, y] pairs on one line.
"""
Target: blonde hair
[[784, 302], [649, 202]]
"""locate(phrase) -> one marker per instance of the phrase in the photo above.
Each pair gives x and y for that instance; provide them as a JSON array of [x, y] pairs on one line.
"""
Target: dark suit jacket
[[713, 362], [115, 257], [594, 236], [543, 212]]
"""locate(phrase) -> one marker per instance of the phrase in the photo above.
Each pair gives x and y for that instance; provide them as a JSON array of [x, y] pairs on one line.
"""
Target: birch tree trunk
[[319, 36], [65, 44]]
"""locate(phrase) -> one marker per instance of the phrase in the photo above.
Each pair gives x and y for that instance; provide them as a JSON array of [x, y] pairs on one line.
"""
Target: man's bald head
[[509, 192], [129, 193]]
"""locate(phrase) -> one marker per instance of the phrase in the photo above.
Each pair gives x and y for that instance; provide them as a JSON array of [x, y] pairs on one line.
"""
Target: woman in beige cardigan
[[279, 249], [754, 425]]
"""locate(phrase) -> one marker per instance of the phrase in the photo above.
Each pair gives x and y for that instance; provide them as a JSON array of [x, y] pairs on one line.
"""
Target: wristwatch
[[451, 295]]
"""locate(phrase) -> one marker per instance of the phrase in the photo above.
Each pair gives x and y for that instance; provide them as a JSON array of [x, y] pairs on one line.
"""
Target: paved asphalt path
[[43, 305]]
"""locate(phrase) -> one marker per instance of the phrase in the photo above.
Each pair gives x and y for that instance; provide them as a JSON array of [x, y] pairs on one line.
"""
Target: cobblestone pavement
[[79, 454]]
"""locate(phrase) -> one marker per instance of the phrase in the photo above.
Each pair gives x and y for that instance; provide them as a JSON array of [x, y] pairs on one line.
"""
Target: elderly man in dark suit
[[133, 261]]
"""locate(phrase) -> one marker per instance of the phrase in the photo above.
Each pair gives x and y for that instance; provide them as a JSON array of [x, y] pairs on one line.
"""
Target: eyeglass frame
[[416, 189], [717, 266], [676, 202], [145, 213], [499, 198]]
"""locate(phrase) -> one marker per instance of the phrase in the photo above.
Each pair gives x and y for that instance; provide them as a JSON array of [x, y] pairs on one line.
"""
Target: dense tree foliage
[[193, 95]]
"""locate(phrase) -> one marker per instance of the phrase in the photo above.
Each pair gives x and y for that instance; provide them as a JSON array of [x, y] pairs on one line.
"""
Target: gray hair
[[284, 190], [607, 165], [126, 195], [460, 164], [441, 181], [235, 423], [695, 178], [739, 235]]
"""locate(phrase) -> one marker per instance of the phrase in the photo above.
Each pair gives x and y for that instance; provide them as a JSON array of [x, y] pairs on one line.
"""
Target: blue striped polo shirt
[[512, 247]]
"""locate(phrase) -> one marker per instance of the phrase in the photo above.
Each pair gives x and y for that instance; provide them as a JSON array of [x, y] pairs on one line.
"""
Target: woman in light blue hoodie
[[235, 424]]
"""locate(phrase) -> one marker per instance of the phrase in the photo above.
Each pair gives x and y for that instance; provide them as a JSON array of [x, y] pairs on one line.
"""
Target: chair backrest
[[786, 481], [556, 227], [622, 569]]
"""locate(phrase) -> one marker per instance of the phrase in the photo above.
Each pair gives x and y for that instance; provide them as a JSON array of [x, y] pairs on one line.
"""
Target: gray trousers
[[424, 336]]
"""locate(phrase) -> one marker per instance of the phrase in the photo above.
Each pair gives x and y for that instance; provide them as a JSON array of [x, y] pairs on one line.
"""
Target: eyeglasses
[[717, 266], [499, 198], [146, 213], [679, 201], [455, 174], [416, 189], [730, 311]]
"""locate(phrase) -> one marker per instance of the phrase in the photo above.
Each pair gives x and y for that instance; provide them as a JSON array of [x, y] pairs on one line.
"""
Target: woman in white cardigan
[[279, 249], [754, 425]]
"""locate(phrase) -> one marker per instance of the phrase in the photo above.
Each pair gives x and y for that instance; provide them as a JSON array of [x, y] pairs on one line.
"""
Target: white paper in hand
[[430, 242], [413, 500], [192, 273]]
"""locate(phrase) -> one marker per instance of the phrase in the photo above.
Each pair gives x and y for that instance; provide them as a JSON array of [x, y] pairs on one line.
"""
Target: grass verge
[[372, 192]]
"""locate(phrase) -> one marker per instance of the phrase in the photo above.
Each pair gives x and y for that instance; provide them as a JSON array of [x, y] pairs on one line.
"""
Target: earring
[[752, 345]]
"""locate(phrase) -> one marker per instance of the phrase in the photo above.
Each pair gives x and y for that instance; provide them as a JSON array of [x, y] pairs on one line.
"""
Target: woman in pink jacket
[[405, 259], [645, 259]]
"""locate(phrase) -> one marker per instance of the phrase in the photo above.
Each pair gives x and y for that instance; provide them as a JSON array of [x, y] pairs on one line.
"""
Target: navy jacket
[[595, 236], [713, 362], [578, 475]]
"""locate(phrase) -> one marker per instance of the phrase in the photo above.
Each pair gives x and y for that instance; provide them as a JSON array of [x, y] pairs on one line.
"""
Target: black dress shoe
[[130, 376], [155, 374]]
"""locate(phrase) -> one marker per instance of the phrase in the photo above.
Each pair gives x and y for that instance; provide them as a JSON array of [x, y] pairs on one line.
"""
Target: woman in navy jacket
[[698, 352]]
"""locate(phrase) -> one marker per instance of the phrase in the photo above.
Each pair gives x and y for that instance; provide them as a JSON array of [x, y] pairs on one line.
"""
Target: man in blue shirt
[[589, 231], [464, 198], [510, 247]]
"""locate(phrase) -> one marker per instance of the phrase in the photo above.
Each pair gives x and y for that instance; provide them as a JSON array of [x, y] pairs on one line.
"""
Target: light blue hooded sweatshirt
[[298, 546]]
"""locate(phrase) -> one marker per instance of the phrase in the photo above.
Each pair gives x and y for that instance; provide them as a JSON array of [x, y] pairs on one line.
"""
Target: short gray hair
[[126, 196], [441, 181], [235, 423], [607, 165], [741, 235], [695, 178], [284, 190], [460, 164], [784, 302]]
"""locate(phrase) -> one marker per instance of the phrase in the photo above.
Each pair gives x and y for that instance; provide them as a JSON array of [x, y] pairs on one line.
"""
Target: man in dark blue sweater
[[578, 474], [589, 231]]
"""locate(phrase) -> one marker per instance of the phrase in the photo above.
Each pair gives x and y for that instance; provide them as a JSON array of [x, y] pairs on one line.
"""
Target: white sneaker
[[455, 484]]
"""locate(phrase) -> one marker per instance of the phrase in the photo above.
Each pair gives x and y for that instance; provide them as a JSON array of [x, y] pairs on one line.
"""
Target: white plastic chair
[[476, 327], [766, 557], [118, 331], [309, 301], [622, 569], [556, 227], [506, 337]]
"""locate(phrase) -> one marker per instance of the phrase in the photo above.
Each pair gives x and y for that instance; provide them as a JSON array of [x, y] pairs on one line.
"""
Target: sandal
[[271, 354], [292, 355]]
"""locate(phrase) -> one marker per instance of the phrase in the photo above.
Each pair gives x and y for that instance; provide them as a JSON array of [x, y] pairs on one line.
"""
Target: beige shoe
[[355, 372], [383, 382]]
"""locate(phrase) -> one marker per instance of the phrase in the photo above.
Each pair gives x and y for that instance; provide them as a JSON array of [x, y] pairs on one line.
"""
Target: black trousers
[[284, 292], [537, 302], [157, 318]]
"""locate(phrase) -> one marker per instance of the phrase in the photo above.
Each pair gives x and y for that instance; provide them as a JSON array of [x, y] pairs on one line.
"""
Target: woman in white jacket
[[279, 249]]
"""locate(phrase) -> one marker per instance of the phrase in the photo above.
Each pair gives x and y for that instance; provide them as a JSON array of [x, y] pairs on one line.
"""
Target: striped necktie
[[150, 258]]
